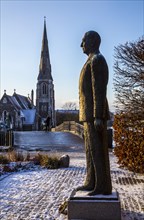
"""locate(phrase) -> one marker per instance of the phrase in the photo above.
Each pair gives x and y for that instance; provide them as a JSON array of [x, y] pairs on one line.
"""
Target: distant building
[[17, 111], [65, 111], [45, 101]]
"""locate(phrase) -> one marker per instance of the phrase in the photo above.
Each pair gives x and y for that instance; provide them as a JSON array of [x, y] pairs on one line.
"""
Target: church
[[45, 102], [18, 112]]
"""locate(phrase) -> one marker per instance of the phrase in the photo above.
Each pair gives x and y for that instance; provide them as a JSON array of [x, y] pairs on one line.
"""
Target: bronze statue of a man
[[94, 113]]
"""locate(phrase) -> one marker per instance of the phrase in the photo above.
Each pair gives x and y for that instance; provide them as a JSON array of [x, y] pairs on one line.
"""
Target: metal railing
[[6, 138]]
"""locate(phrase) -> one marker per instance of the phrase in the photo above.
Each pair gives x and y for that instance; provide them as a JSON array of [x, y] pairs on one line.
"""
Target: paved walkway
[[48, 141], [37, 194]]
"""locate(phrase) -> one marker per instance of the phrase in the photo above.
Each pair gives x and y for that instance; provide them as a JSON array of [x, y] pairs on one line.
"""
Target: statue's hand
[[98, 123]]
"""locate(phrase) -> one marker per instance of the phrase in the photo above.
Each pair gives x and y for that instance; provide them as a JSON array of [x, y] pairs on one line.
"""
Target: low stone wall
[[78, 129], [71, 126]]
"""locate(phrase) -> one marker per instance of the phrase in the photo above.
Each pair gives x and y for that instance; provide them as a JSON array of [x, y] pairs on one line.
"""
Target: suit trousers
[[97, 158]]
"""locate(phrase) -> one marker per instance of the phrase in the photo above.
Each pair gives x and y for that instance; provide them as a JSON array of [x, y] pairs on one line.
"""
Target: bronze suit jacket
[[92, 89]]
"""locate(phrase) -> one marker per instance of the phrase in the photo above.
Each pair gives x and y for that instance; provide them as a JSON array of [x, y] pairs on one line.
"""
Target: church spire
[[45, 66], [45, 100]]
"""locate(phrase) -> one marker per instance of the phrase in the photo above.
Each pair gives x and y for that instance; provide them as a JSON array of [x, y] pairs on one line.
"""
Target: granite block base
[[98, 207]]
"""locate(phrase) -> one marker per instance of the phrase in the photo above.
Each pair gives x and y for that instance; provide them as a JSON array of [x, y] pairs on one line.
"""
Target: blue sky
[[21, 30]]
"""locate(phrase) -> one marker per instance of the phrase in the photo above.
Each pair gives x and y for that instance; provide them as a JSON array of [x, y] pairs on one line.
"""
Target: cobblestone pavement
[[38, 193]]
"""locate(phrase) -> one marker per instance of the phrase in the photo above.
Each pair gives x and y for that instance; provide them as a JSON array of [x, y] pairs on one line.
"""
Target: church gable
[[18, 110], [4, 100], [7, 103], [23, 101]]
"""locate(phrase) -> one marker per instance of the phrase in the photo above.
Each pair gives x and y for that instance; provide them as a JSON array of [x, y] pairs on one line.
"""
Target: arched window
[[44, 89], [45, 108], [4, 115]]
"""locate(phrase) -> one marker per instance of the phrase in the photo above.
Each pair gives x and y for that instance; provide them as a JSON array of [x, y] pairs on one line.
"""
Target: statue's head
[[90, 42]]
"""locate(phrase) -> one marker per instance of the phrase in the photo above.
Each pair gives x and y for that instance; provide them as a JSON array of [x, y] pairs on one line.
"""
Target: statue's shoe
[[84, 188], [98, 192]]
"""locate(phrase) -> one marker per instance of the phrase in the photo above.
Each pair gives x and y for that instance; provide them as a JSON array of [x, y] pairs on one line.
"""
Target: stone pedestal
[[98, 207]]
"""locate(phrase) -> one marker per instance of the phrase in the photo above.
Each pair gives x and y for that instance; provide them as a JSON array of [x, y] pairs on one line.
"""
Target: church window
[[4, 100], [44, 89], [4, 115], [45, 108]]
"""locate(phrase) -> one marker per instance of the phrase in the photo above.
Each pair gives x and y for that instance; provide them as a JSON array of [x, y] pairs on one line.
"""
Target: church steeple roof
[[45, 66]]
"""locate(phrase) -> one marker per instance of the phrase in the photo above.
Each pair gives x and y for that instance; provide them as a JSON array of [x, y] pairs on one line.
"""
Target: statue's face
[[90, 42], [86, 44]]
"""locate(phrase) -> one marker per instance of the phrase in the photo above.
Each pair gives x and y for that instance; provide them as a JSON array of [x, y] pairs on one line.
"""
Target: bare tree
[[129, 77], [129, 94], [69, 106]]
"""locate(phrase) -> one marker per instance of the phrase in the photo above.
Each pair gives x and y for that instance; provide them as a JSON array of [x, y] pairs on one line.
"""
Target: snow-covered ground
[[37, 193]]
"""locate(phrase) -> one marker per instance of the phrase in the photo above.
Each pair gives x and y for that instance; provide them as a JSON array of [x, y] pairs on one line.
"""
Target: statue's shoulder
[[96, 58]]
